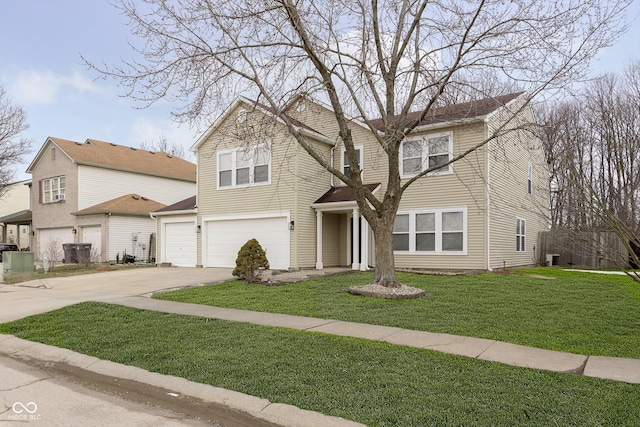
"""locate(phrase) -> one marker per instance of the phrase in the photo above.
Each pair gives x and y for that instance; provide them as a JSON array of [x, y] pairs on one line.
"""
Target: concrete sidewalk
[[612, 368]]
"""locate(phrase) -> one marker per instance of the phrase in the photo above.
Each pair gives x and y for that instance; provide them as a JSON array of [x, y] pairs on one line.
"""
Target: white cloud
[[36, 87]]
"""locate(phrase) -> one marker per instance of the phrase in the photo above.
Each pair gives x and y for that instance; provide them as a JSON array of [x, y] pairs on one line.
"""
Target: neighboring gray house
[[481, 213], [78, 189]]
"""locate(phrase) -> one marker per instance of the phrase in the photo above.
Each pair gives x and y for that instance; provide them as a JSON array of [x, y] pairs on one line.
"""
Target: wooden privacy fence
[[582, 249]]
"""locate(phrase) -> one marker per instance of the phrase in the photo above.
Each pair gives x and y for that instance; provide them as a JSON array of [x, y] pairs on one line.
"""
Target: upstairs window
[[345, 160], [53, 189], [529, 179], [244, 166], [420, 154]]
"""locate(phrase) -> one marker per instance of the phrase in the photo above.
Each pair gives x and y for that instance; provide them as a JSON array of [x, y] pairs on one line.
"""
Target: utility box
[[77, 253], [17, 263], [553, 260]]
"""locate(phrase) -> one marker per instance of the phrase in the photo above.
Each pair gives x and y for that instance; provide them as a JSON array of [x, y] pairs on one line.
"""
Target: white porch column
[[319, 265], [355, 265], [364, 238]]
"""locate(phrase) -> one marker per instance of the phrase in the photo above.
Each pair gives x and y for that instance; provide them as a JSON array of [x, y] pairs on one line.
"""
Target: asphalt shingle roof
[[130, 204], [462, 111], [182, 205], [120, 157]]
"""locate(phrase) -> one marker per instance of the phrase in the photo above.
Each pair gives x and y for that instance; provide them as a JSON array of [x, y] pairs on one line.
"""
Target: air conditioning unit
[[60, 196]]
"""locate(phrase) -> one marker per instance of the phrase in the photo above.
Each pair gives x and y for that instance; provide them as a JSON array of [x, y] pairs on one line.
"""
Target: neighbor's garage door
[[225, 237], [180, 244], [93, 234], [51, 241]]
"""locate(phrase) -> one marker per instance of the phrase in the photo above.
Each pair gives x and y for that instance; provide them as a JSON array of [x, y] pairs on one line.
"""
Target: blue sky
[[41, 69]]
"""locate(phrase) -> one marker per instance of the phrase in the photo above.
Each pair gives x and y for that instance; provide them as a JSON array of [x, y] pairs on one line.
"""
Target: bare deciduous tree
[[164, 146], [13, 121], [388, 60], [593, 149]]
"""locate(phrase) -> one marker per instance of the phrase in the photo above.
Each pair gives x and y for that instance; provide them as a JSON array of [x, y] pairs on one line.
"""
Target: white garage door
[[93, 234], [225, 237], [51, 241], [180, 244]]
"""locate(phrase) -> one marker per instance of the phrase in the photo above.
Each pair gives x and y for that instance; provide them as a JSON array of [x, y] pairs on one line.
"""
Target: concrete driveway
[[39, 296]]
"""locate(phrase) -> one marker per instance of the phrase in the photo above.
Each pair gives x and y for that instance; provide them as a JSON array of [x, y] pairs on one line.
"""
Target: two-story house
[[255, 181], [101, 193]]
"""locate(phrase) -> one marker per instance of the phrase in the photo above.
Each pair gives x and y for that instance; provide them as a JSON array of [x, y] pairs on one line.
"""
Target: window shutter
[[40, 191]]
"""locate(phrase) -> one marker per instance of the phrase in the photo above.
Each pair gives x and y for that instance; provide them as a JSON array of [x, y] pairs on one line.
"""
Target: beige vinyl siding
[[296, 182], [464, 188], [331, 254], [509, 158]]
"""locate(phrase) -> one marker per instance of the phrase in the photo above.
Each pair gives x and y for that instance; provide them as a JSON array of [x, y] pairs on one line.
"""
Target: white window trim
[[529, 178], [425, 154], [61, 191], [360, 160], [523, 236], [438, 249], [233, 169]]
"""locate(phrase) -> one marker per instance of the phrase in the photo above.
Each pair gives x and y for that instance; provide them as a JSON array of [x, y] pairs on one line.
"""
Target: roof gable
[[255, 106], [129, 204], [119, 157]]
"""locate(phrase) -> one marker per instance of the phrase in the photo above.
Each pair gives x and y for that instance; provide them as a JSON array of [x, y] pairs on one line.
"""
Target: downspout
[[331, 157], [488, 232]]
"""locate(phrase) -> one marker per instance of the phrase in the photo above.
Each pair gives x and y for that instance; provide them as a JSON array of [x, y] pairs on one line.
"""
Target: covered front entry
[[224, 236], [354, 238]]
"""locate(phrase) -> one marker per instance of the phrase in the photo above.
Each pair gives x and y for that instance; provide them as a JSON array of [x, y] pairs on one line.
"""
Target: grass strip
[[579, 313], [375, 383]]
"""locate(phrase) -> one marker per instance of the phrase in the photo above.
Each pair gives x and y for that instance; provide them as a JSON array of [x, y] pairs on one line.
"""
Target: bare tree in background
[[366, 59], [164, 146], [13, 121], [593, 149]]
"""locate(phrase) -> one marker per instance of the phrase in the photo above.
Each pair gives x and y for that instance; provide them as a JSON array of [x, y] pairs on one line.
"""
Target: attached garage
[[180, 244], [223, 238]]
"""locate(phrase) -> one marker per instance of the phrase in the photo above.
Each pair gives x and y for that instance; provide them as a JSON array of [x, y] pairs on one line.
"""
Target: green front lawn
[[580, 313], [375, 383]]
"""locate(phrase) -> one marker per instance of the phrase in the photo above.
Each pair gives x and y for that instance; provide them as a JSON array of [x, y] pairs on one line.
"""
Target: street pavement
[[28, 394], [132, 288]]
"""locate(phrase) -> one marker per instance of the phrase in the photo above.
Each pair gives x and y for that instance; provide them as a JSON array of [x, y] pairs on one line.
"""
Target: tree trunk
[[385, 262]]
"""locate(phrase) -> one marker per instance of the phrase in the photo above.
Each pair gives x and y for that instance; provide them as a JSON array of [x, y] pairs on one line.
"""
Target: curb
[[278, 413]]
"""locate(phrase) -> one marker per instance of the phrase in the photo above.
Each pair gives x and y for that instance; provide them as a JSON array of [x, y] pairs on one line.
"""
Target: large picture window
[[53, 189], [420, 154], [436, 231], [244, 166]]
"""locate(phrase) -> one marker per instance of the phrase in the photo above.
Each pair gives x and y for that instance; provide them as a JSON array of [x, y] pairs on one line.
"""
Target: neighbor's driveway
[[39, 296]]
